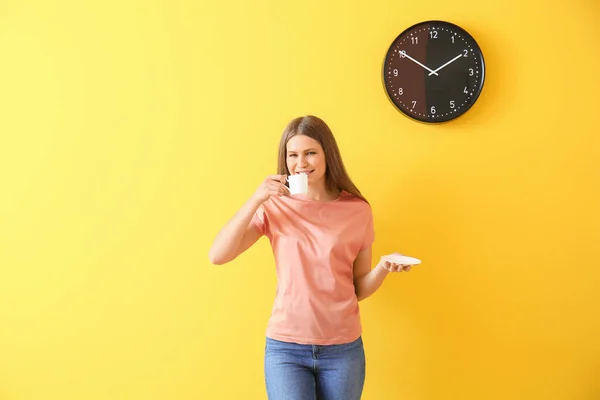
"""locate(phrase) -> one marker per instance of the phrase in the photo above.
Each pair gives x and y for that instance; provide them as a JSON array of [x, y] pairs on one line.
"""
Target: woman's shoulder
[[355, 200], [351, 197]]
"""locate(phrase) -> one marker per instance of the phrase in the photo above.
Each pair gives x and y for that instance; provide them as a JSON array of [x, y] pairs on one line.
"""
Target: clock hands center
[[449, 62], [432, 72]]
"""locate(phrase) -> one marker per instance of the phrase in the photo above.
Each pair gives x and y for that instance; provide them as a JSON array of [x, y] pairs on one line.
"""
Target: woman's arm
[[236, 236], [367, 280], [239, 234]]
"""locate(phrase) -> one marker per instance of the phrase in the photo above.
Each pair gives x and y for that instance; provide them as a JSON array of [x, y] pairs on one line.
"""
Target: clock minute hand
[[451, 61], [415, 61]]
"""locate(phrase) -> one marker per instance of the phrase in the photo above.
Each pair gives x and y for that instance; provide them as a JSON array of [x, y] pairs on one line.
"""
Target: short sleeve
[[369, 236], [259, 220]]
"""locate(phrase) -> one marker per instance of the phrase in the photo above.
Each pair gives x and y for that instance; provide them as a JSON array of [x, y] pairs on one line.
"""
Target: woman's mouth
[[308, 172]]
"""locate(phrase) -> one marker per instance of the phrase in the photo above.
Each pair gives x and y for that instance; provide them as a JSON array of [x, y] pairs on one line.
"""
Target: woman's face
[[305, 155]]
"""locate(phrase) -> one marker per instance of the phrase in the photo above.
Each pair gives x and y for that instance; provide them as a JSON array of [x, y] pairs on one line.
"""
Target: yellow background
[[130, 131]]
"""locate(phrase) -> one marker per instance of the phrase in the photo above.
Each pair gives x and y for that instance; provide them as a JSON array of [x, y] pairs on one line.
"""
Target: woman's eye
[[311, 153], [291, 155]]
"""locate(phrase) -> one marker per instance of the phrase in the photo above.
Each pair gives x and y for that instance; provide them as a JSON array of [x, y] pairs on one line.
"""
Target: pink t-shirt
[[315, 244]]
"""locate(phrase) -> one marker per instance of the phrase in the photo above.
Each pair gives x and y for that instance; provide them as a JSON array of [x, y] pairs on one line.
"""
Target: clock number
[[415, 40], [452, 37], [433, 109], [466, 53], [465, 91], [414, 104], [452, 104], [471, 72], [395, 72], [402, 53], [433, 34], [400, 91]]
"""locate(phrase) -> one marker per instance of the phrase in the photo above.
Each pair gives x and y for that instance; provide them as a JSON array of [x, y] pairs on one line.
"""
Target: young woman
[[321, 242]]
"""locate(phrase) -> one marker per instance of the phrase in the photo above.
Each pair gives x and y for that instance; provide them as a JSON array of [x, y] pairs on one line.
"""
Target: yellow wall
[[130, 131]]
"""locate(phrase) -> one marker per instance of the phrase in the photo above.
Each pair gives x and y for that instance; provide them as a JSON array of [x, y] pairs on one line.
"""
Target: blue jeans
[[310, 372]]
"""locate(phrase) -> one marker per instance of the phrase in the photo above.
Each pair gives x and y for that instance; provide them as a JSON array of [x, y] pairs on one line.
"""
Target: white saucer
[[404, 260]]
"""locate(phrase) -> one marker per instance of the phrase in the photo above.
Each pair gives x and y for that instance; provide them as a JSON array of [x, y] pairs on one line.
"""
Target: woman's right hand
[[273, 185]]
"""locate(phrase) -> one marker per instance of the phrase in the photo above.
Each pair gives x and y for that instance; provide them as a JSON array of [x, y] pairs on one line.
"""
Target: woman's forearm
[[227, 243], [369, 283]]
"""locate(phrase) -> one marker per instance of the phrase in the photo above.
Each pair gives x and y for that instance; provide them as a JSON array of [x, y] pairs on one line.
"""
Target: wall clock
[[434, 71]]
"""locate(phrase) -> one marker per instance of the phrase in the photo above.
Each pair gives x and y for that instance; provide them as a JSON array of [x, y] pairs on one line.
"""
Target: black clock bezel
[[477, 90]]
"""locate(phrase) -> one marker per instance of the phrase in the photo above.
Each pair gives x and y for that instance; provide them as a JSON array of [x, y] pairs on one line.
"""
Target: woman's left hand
[[393, 267]]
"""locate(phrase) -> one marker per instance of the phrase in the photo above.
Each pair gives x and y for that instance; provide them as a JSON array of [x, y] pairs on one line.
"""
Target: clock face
[[433, 71]]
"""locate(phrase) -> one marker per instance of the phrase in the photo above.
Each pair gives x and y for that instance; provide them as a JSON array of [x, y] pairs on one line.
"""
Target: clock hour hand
[[451, 61], [432, 72]]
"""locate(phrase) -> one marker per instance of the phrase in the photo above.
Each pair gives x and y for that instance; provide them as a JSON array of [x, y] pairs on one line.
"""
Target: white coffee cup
[[298, 183]]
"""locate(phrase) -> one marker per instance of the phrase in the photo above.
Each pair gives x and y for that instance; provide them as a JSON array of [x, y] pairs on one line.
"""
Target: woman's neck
[[320, 193]]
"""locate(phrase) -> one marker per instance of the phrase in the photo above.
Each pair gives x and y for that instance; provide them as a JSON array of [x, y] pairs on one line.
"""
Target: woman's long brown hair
[[336, 177]]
